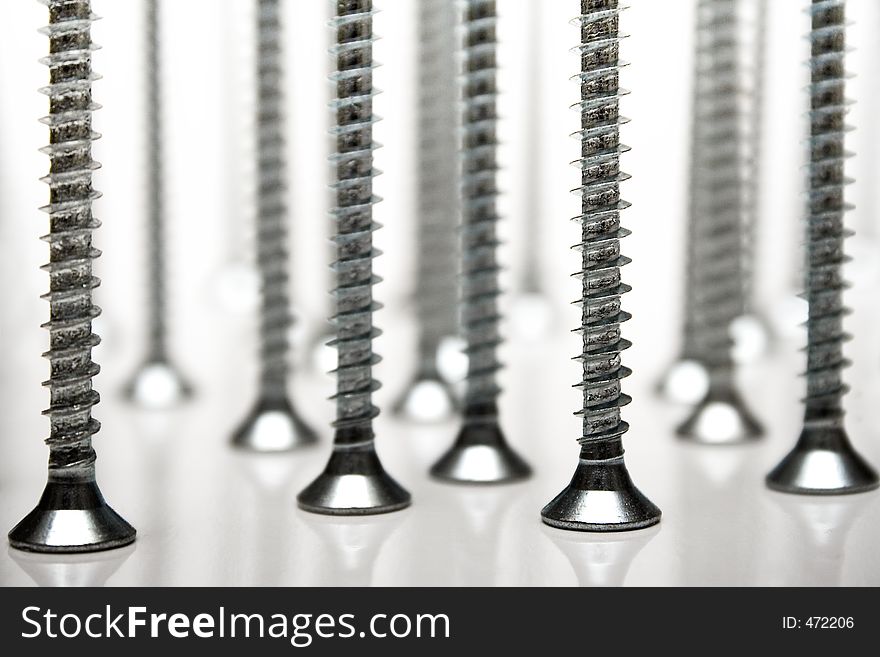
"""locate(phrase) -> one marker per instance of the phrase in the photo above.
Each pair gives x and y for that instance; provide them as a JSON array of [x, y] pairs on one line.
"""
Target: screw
[[273, 424], [354, 481], [686, 380], [601, 495], [428, 396], [761, 326], [156, 383], [72, 515], [530, 282], [721, 416], [824, 462], [480, 453]]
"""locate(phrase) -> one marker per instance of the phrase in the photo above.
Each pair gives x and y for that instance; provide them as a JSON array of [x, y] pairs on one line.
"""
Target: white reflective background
[[206, 515]]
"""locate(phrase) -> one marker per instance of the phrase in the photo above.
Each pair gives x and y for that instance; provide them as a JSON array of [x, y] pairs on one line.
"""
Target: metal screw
[[601, 495], [721, 417], [686, 380], [824, 462], [354, 481], [273, 424], [72, 515], [751, 306], [156, 383], [480, 453], [437, 213], [718, 50]]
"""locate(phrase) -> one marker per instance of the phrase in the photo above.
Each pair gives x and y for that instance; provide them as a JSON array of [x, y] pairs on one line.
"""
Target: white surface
[[208, 516]]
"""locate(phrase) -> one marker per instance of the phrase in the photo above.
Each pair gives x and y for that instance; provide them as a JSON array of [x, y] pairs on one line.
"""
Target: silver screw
[[601, 495], [480, 453], [354, 481], [156, 383], [824, 462], [718, 250], [72, 515], [273, 424], [437, 213]]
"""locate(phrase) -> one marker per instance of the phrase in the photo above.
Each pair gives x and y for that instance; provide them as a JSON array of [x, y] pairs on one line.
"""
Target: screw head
[[481, 455], [71, 517], [721, 419], [425, 400], [823, 462], [601, 498], [354, 483], [157, 385], [273, 426]]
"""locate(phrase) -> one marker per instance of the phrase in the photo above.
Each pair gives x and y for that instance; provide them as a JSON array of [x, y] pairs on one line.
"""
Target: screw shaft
[[826, 232], [601, 205], [437, 210], [157, 336], [755, 146], [272, 253], [353, 213], [718, 198], [480, 289], [71, 223]]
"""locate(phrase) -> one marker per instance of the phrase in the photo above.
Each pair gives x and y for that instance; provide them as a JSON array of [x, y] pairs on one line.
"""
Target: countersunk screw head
[[480, 455], [354, 483], [71, 516], [273, 426], [823, 462]]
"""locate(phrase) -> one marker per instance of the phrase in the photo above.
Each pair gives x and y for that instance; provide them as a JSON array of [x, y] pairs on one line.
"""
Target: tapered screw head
[[685, 382], [273, 426], [722, 418], [353, 483], [71, 516], [426, 399], [480, 455], [157, 385], [823, 462], [601, 497]]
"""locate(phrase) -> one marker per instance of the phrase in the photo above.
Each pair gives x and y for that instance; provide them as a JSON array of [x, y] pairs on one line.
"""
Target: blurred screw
[[428, 397], [717, 251], [480, 453], [72, 515], [156, 383], [824, 462], [601, 495], [752, 330], [354, 481], [273, 425]]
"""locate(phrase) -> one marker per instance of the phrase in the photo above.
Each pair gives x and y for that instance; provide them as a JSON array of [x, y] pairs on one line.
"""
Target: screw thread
[[825, 223], [157, 331], [437, 210], [353, 213], [71, 281], [718, 248], [480, 289], [272, 253], [601, 231], [755, 146]]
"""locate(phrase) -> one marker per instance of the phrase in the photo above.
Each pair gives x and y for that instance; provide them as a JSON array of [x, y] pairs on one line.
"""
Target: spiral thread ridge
[[272, 254], [480, 317], [157, 335], [601, 231], [825, 222], [71, 224], [754, 174], [353, 214], [718, 186], [437, 210]]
